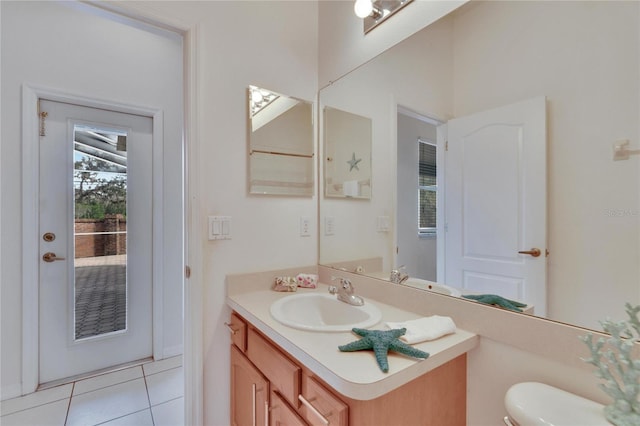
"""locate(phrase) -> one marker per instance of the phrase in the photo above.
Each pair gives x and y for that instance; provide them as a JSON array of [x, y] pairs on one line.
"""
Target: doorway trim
[[30, 220]]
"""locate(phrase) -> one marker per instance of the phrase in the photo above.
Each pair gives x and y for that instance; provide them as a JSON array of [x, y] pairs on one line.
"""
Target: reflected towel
[[423, 329], [350, 188]]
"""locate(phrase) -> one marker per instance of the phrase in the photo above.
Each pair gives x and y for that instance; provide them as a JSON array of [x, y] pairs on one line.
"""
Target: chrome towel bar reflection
[[280, 153]]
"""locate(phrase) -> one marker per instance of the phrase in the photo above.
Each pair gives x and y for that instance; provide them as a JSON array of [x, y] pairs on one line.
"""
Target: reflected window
[[427, 187]]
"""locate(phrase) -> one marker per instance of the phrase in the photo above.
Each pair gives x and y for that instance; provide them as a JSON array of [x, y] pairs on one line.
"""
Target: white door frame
[[30, 220]]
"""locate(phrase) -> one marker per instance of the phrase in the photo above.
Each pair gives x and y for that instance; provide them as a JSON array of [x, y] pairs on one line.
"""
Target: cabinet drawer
[[321, 407], [283, 374], [281, 414], [238, 329]]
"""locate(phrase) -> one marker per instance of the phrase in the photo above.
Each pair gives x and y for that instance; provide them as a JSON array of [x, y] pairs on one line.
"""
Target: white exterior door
[[95, 288], [495, 200]]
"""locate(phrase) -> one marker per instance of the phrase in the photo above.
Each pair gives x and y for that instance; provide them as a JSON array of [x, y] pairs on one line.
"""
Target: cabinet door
[[249, 392], [282, 414]]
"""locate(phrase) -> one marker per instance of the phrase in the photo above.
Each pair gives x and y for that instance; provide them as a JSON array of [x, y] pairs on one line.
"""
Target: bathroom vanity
[[282, 375]]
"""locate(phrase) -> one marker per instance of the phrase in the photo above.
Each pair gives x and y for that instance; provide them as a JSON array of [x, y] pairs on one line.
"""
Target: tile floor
[[148, 394]]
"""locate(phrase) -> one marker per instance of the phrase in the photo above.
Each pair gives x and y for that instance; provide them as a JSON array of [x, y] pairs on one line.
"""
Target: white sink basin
[[431, 286], [422, 284], [323, 312]]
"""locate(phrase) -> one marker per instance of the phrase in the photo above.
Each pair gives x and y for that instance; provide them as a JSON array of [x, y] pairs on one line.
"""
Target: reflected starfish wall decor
[[353, 163]]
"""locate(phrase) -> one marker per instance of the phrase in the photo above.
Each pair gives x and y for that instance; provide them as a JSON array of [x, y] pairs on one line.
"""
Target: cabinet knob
[[231, 329]]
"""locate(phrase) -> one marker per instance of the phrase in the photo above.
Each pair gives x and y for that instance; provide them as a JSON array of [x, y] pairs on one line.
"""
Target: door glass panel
[[100, 231]]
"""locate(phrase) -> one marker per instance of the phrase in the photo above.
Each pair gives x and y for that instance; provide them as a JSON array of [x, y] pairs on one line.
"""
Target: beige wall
[[268, 44]]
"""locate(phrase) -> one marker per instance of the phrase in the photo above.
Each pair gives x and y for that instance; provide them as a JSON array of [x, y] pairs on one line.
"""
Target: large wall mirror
[[281, 145], [582, 59]]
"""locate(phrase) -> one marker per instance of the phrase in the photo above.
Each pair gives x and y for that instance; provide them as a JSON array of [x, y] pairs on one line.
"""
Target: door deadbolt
[[51, 257], [49, 236]]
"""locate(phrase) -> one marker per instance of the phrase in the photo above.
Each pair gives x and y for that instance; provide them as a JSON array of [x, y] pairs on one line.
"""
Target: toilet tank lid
[[533, 403]]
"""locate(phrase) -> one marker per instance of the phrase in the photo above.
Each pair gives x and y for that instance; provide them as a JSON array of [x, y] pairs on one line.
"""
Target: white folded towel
[[350, 188], [423, 329]]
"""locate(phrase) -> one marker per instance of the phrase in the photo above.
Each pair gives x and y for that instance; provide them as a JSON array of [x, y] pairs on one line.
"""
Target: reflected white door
[[95, 246], [495, 200]]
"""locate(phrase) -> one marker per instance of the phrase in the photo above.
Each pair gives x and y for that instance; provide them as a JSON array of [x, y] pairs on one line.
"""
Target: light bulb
[[363, 8], [256, 96]]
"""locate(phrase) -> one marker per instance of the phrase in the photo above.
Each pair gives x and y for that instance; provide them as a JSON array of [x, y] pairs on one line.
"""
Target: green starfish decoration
[[353, 163], [494, 299], [382, 341]]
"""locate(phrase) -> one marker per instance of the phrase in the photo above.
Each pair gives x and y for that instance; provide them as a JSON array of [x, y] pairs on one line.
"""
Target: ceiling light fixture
[[374, 12], [364, 8], [260, 98]]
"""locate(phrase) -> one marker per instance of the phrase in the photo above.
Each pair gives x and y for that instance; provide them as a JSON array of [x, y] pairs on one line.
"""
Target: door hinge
[[446, 145], [187, 271], [42, 115]]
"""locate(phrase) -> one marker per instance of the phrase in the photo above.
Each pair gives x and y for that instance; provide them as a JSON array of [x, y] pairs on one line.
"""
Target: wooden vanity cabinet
[[268, 387]]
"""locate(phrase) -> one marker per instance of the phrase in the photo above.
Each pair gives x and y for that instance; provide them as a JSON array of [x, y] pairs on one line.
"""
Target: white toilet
[[537, 404]]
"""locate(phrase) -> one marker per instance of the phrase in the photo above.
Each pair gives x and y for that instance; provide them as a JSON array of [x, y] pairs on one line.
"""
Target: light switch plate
[[329, 225], [219, 227], [305, 226], [383, 223]]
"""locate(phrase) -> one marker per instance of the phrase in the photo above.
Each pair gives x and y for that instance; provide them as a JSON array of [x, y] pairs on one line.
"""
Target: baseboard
[[10, 391]]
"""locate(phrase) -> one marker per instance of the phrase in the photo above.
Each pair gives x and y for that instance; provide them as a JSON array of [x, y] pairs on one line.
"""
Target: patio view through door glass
[[100, 231]]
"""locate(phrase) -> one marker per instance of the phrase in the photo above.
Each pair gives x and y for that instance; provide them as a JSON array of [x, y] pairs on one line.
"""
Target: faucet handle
[[345, 282], [333, 289]]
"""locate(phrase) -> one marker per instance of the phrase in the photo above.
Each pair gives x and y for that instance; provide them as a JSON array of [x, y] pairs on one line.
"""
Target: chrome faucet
[[397, 276], [345, 292]]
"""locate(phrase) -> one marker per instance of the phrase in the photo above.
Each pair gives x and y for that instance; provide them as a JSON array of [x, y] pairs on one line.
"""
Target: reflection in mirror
[[347, 159], [280, 144], [583, 57], [417, 194], [375, 12]]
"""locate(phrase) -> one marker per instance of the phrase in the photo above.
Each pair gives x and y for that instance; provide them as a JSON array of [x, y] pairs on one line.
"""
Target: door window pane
[[100, 232]]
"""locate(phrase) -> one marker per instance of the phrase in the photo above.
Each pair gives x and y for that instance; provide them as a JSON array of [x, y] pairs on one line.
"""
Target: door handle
[[314, 410], [51, 257], [535, 252]]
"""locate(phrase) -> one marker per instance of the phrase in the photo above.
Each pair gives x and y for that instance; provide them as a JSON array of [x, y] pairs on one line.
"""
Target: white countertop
[[353, 374]]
